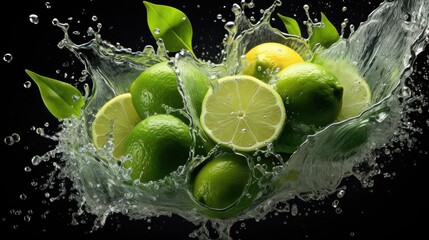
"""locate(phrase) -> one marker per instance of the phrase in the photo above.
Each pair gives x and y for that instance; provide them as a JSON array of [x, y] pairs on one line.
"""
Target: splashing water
[[313, 172]]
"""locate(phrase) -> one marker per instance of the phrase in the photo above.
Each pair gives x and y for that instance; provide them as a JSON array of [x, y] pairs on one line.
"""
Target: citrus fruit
[[242, 113], [266, 59], [357, 93], [219, 184], [156, 89], [115, 119], [311, 93], [158, 145]]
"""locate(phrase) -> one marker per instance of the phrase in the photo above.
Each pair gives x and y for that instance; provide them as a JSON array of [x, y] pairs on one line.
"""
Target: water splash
[[100, 187]]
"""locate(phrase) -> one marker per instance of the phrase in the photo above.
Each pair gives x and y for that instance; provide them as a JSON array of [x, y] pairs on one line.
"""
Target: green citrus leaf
[[326, 35], [291, 25], [60, 98], [170, 24]]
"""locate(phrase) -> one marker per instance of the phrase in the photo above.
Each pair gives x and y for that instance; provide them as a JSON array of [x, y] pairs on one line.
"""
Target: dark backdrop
[[394, 206]]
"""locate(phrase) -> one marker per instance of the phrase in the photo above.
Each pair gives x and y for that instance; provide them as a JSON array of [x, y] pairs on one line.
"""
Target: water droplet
[[27, 218], [244, 130], [7, 57], [75, 98], [335, 203], [338, 210], [341, 193], [48, 5], [27, 169], [157, 31], [344, 9], [219, 16], [22, 196], [94, 18], [183, 19], [306, 8], [9, 141], [34, 19], [27, 84], [294, 210], [36, 160]]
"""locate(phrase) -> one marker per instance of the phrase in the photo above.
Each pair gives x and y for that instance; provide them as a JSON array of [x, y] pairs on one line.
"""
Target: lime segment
[[243, 113], [115, 119]]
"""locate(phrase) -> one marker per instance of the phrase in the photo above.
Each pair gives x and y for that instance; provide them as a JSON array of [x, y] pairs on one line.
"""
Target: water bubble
[[34, 19], [7, 57], [219, 16], [344, 9], [157, 31], [27, 169], [27, 84], [338, 210], [94, 18]]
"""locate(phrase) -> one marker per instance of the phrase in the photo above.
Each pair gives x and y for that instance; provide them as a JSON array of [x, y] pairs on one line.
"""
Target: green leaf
[[326, 35], [170, 24], [291, 25], [61, 99]]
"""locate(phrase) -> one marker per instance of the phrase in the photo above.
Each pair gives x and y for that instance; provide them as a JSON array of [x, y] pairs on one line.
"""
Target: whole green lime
[[311, 93], [155, 90], [158, 145], [219, 185]]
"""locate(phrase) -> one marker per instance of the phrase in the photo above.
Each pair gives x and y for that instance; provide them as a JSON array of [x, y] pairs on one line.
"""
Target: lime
[[155, 90], [266, 59], [311, 93], [357, 93], [243, 113], [220, 183], [158, 145], [114, 120]]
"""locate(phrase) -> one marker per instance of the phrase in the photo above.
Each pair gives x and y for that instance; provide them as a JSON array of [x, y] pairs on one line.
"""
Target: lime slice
[[357, 93], [243, 113], [114, 121]]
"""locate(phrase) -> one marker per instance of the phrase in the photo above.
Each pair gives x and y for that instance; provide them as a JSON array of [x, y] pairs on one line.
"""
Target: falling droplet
[[27, 84], [7, 57], [48, 5], [219, 16], [34, 19], [344, 9], [22, 196], [94, 18]]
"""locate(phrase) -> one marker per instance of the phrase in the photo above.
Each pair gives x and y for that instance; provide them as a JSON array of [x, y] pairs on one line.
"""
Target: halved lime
[[114, 120], [242, 112]]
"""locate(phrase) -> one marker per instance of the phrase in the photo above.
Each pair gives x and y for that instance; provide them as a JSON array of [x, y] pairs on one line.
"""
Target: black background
[[395, 206]]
